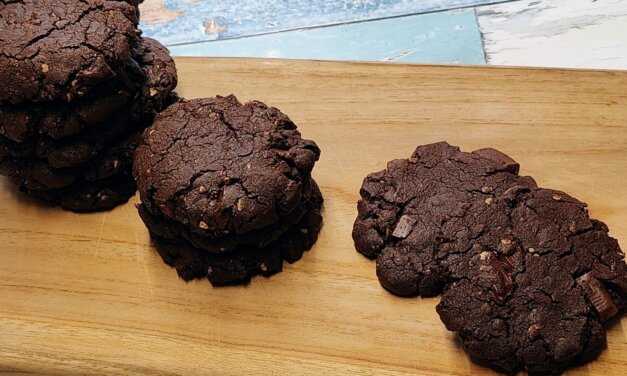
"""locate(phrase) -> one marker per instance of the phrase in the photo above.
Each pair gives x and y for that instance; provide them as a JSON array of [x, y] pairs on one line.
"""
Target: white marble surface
[[556, 33]]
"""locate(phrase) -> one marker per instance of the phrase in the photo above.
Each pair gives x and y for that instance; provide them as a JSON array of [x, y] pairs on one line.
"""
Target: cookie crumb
[[45, 68], [203, 225], [263, 267], [488, 200], [153, 92], [240, 204], [202, 189], [557, 197]]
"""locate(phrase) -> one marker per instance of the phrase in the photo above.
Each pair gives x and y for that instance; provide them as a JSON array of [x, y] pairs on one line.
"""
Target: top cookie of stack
[[77, 85]]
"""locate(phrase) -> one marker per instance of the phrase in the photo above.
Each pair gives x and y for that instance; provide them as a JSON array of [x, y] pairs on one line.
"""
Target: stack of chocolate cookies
[[226, 189], [78, 84]]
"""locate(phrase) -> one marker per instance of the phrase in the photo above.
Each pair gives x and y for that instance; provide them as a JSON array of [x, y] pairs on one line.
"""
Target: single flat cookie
[[239, 266], [51, 49], [529, 279], [222, 168]]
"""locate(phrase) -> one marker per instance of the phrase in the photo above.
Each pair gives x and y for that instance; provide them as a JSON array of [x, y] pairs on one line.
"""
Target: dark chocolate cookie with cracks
[[52, 49], [143, 84], [529, 279], [158, 79]]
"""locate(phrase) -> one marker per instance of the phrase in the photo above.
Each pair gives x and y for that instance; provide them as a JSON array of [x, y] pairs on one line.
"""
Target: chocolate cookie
[[56, 119], [259, 238], [51, 49], [38, 175], [528, 277], [239, 266], [222, 168], [72, 151], [140, 89], [158, 79], [85, 196]]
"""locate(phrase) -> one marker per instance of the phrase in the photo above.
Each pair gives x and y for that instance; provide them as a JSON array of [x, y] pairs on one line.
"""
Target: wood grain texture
[[86, 294], [556, 33]]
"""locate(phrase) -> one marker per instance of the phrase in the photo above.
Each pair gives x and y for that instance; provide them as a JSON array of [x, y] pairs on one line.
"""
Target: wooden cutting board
[[87, 294]]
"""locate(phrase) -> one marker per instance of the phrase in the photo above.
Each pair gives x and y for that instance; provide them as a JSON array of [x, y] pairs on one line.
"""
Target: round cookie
[[239, 266], [52, 49], [528, 278], [222, 168]]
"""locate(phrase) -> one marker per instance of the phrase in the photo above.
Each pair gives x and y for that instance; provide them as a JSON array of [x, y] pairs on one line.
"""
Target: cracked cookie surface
[[156, 82], [223, 168], [528, 278], [143, 83], [51, 49]]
